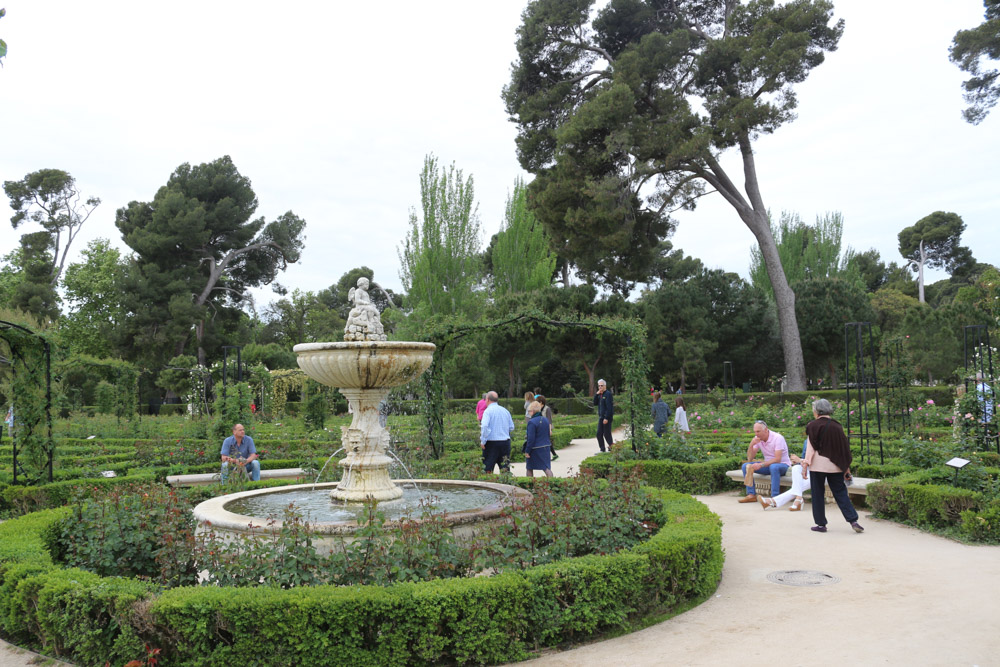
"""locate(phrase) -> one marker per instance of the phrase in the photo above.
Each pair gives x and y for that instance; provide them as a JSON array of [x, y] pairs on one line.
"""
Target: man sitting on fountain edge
[[494, 436], [241, 445]]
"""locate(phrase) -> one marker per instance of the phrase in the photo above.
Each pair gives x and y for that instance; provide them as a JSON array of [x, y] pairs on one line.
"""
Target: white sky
[[330, 108]]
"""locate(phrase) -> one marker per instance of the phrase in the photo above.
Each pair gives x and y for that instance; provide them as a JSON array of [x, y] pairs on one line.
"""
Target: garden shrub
[[982, 526], [697, 478], [131, 531], [105, 394], [479, 620], [910, 498], [26, 499]]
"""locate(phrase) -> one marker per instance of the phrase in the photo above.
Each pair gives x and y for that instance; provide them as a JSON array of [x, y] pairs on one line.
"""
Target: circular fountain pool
[[468, 507]]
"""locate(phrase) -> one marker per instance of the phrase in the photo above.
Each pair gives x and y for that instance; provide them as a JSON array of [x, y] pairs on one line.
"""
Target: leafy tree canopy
[[198, 251], [49, 197], [521, 258], [94, 292], [806, 251], [622, 114], [941, 235], [439, 259], [825, 305], [970, 50]]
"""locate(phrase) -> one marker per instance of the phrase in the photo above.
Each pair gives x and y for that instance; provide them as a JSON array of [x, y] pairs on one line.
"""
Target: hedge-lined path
[[904, 597], [570, 457]]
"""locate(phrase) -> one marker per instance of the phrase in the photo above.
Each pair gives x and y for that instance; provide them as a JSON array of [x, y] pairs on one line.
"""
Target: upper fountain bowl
[[364, 364]]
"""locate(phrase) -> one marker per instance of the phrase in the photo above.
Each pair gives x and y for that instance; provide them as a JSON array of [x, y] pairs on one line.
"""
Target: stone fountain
[[364, 368]]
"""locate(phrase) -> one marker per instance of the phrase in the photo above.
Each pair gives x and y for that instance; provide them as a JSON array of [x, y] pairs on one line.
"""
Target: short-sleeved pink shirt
[[774, 442]]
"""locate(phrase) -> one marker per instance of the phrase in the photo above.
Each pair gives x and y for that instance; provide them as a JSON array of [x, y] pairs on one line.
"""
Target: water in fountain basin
[[400, 462], [325, 465], [317, 508]]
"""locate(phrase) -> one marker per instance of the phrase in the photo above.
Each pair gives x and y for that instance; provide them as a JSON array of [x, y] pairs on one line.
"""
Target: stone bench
[[859, 487], [213, 477]]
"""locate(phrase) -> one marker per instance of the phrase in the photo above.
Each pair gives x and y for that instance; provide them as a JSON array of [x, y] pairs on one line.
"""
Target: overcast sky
[[330, 108]]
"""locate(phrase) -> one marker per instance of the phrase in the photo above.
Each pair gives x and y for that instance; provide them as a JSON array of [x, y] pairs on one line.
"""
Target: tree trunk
[[591, 369], [784, 298], [510, 377], [833, 375], [920, 272]]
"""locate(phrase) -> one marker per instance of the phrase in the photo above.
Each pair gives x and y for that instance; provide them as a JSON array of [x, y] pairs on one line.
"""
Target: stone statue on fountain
[[363, 322]]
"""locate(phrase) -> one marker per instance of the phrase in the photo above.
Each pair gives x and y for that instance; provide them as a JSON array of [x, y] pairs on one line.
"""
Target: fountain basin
[[214, 515], [364, 364]]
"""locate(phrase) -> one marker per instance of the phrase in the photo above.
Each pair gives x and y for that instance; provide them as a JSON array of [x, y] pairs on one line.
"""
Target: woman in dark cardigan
[[828, 455]]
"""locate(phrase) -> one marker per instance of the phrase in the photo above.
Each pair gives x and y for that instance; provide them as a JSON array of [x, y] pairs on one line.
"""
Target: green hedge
[[702, 478], [483, 620], [915, 499]]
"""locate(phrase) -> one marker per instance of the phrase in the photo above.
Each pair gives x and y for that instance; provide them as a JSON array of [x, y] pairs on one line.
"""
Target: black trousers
[[603, 433], [496, 452], [839, 489]]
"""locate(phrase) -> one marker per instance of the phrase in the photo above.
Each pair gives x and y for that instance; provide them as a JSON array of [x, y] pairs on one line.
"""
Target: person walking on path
[[494, 435], [828, 455], [547, 413], [605, 402], [481, 406], [538, 443], [661, 414], [681, 415]]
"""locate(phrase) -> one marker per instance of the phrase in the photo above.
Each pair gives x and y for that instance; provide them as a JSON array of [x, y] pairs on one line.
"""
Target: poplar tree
[[522, 258], [439, 258]]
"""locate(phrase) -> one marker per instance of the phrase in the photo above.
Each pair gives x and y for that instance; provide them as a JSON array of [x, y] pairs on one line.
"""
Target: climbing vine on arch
[[123, 375], [28, 388], [634, 366]]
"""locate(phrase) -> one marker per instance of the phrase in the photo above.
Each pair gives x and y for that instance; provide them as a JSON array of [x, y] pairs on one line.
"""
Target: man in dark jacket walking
[[605, 403]]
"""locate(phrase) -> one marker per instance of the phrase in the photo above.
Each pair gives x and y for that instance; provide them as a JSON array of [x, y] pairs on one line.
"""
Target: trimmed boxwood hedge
[[93, 619], [920, 499], [703, 478]]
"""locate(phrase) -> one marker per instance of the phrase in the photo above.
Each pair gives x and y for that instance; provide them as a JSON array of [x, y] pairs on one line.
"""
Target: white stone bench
[[858, 487], [213, 477]]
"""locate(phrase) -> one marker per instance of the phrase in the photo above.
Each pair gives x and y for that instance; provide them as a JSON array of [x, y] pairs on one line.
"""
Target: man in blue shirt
[[494, 434], [238, 449]]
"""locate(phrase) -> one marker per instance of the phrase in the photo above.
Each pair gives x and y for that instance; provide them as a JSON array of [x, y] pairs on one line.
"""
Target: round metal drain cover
[[802, 578]]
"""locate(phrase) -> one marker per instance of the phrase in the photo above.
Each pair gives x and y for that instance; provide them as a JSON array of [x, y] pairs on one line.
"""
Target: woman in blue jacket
[[538, 444]]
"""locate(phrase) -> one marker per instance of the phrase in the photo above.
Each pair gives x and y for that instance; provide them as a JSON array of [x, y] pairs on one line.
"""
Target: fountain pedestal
[[365, 371], [366, 467]]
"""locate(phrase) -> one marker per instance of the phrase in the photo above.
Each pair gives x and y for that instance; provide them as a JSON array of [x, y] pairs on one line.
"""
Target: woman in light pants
[[800, 483]]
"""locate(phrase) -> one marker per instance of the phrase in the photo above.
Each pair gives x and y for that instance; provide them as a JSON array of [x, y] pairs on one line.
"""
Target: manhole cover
[[802, 578]]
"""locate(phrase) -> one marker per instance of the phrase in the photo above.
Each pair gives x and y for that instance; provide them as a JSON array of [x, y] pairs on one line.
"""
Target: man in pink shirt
[[481, 407], [775, 452]]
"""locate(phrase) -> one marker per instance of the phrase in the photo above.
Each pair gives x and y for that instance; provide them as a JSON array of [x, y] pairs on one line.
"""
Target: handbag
[[748, 478], [524, 447]]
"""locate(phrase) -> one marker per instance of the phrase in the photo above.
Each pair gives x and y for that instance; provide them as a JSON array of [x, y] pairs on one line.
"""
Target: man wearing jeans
[[775, 452], [238, 449]]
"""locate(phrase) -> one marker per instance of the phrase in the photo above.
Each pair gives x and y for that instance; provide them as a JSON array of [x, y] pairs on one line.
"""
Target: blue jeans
[[776, 470], [253, 468]]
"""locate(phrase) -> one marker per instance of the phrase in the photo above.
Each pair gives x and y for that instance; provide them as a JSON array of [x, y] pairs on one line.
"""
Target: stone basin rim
[[213, 510], [364, 345]]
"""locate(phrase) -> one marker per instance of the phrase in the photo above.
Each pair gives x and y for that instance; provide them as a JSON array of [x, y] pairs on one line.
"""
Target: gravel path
[[904, 597]]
